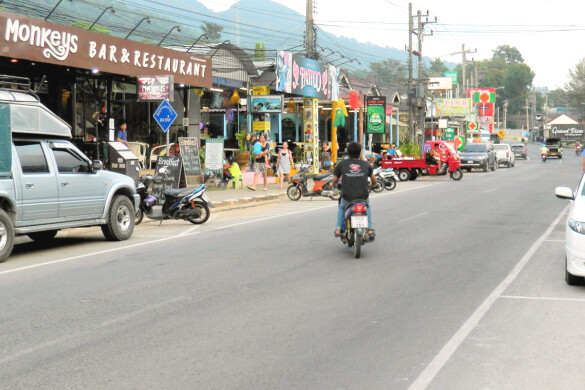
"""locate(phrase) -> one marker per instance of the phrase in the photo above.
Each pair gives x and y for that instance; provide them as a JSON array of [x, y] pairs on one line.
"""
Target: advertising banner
[[485, 109], [41, 41], [453, 107], [440, 83], [311, 130], [306, 77], [155, 88], [452, 75], [376, 114], [268, 103]]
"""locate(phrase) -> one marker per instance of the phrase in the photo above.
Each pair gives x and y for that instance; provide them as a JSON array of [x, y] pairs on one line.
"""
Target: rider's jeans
[[341, 211]]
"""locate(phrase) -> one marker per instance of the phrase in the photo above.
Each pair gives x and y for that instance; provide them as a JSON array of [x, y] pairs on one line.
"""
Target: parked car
[[479, 155], [48, 184], [504, 155], [519, 150], [554, 147], [574, 233]]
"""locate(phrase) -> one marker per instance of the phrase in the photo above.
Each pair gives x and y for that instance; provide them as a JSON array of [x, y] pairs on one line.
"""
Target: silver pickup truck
[[47, 184]]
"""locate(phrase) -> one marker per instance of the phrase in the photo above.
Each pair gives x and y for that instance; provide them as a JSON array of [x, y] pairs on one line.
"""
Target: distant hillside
[[263, 21]]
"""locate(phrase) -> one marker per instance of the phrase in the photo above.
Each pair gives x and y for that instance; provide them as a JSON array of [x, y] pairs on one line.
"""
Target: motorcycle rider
[[354, 173]]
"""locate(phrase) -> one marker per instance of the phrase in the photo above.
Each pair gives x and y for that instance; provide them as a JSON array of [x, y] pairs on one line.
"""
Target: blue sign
[[165, 115]]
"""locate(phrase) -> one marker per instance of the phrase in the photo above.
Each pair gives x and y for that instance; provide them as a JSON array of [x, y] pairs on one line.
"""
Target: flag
[[485, 97]]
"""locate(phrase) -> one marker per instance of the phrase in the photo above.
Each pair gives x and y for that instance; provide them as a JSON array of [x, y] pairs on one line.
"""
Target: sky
[[548, 33]]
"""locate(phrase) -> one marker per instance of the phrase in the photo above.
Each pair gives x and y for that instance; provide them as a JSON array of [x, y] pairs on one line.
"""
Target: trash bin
[[122, 160]]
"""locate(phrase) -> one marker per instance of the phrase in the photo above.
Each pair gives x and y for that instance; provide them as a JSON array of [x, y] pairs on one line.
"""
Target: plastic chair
[[235, 171], [160, 150], [139, 150]]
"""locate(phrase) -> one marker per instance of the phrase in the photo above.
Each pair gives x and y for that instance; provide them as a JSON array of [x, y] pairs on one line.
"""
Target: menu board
[[214, 154], [167, 174], [190, 153]]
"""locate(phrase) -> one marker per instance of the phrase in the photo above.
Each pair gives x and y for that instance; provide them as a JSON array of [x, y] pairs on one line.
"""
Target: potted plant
[[242, 156]]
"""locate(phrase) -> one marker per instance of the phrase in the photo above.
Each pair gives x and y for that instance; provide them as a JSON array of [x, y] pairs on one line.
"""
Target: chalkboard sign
[[168, 168], [190, 153]]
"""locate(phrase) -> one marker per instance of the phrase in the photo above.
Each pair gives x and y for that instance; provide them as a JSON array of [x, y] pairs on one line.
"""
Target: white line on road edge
[[413, 217], [72, 258], [543, 298], [430, 372]]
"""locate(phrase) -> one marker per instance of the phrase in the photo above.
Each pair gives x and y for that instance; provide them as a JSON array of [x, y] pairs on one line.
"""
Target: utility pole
[[415, 93], [527, 117], [309, 31], [410, 83]]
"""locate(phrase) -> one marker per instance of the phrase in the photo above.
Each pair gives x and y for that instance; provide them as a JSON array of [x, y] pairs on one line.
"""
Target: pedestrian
[[122, 135], [354, 173], [326, 156], [583, 160], [260, 163], [283, 162], [257, 150]]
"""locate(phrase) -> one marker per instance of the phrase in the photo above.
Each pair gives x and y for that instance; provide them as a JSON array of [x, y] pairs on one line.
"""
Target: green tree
[[389, 73], [260, 52], [517, 82], [213, 32], [509, 54], [575, 89], [437, 68]]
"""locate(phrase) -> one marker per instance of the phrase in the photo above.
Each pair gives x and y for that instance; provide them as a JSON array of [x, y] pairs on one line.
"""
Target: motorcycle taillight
[[359, 208]]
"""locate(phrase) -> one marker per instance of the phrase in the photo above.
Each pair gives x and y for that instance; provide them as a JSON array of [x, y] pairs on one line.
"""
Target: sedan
[[519, 150], [574, 234]]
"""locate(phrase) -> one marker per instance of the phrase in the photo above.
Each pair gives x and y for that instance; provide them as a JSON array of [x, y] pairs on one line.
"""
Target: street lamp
[[197, 40], [102, 14], [169, 33], [135, 27], [54, 8]]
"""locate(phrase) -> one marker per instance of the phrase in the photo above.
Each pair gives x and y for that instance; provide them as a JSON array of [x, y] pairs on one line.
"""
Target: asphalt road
[[463, 289]]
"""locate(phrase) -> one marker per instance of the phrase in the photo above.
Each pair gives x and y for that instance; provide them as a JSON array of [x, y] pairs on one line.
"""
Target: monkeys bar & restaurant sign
[[32, 39]]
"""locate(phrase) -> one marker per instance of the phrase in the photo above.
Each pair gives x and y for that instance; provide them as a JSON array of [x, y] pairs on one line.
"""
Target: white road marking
[[543, 298], [436, 365], [101, 252], [554, 240], [414, 217]]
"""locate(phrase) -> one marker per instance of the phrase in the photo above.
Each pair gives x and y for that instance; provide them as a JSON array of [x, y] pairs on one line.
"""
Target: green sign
[[376, 114], [452, 75], [449, 134]]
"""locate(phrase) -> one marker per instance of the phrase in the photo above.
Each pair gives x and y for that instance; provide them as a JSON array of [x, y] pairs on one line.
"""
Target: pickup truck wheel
[[6, 236], [120, 223], [47, 235], [404, 174], [468, 169], [512, 165]]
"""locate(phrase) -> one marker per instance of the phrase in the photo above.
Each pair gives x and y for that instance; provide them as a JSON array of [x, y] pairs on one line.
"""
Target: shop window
[[32, 158]]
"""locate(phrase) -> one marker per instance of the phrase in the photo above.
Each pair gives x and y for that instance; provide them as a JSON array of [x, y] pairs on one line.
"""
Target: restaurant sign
[[155, 88], [32, 39]]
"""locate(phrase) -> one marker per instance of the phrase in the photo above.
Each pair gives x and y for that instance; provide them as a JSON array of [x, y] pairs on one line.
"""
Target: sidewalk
[[225, 199]]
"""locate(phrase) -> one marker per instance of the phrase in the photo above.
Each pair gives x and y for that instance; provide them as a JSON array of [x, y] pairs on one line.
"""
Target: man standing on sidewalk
[[260, 164]]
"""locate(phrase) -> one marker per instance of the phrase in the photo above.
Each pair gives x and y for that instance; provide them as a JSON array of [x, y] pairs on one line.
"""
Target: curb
[[229, 204]]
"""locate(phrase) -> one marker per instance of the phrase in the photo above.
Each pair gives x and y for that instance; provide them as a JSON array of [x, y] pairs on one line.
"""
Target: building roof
[[562, 119]]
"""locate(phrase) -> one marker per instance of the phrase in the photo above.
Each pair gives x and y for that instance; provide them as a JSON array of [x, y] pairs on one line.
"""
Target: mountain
[[259, 21]]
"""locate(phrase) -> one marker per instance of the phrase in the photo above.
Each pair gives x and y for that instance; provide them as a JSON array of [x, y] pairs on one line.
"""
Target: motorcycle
[[354, 233], [189, 204], [543, 156], [387, 177], [578, 150], [321, 185]]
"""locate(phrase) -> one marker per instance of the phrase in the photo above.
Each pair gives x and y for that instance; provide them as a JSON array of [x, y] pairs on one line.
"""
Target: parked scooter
[[354, 231], [321, 185], [189, 204], [387, 177]]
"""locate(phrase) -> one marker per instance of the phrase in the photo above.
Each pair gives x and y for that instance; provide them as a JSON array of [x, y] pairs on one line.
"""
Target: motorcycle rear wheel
[[357, 244], [379, 187], [138, 217], [390, 184], [204, 210], [294, 192]]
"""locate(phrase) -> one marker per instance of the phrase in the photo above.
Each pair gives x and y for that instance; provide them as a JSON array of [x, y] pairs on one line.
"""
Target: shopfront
[[79, 74]]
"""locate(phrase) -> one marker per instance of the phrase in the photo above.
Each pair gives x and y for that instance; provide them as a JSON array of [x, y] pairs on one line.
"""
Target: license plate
[[359, 221], [470, 162]]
